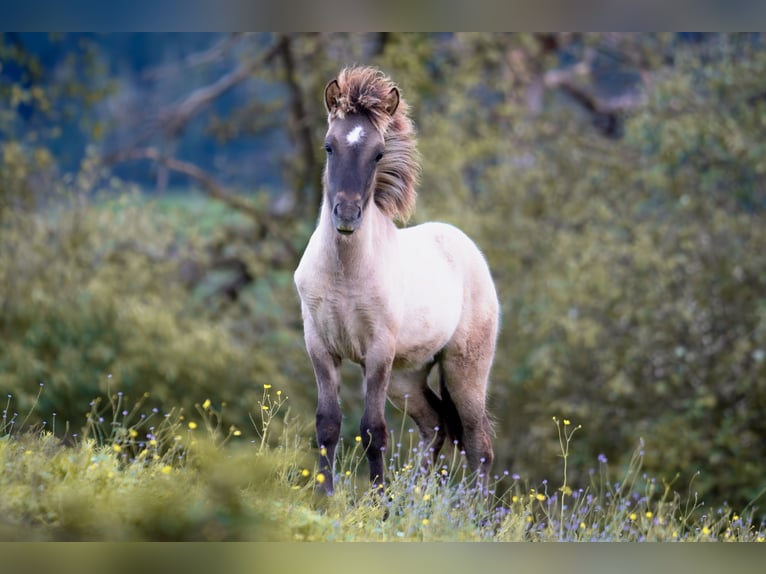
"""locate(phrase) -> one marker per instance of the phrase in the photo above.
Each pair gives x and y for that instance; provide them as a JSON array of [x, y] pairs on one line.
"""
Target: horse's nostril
[[347, 211]]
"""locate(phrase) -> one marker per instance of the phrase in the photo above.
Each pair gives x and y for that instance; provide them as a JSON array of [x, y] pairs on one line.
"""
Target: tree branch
[[207, 181], [567, 80], [302, 125], [174, 119], [198, 58]]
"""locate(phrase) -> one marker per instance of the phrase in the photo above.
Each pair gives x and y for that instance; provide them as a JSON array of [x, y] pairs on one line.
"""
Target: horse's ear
[[392, 101], [331, 95]]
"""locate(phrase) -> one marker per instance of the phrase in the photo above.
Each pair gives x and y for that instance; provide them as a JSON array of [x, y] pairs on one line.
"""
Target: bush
[[94, 303], [629, 269]]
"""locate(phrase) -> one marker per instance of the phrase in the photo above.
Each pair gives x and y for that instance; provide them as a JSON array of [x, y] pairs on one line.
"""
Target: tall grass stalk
[[565, 436]]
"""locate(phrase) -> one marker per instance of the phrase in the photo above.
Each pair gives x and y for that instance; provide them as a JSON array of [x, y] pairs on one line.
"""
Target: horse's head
[[354, 146]]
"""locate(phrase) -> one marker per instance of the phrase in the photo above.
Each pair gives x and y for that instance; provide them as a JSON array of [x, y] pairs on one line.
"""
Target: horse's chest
[[346, 325]]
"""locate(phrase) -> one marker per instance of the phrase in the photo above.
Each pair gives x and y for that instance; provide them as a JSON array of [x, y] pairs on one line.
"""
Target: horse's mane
[[364, 90]]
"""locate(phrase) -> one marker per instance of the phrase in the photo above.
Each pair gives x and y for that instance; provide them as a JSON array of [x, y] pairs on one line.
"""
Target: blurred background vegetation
[[157, 190]]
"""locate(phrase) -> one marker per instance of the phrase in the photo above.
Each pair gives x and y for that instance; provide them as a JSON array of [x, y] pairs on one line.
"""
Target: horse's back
[[451, 247]]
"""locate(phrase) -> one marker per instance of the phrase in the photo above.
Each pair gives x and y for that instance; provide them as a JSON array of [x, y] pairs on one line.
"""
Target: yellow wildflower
[[323, 451], [192, 425], [633, 516], [166, 469], [540, 497], [426, 497], [567, 422], [705, 530], [133, 433], [206, 404], [649, 514], [117, 448], [357, 438], [305, 472], [266, 386], [320, 478], [424, 522]]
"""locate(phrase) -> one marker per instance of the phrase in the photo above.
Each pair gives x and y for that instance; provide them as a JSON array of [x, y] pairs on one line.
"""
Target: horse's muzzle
[[346, 216]]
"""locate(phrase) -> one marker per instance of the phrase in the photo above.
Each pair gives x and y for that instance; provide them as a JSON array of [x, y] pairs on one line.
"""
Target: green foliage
[[629, 265], [94, 303], [629, 273], [143, 476]]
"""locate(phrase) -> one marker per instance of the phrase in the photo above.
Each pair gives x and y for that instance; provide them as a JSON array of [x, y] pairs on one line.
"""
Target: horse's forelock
[[366, 90]]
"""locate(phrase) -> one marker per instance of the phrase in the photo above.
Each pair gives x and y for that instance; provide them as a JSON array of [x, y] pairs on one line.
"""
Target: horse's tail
[[449, 412]]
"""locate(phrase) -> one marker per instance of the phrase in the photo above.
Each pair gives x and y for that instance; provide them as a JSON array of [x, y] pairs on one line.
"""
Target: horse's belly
[[427, 327]]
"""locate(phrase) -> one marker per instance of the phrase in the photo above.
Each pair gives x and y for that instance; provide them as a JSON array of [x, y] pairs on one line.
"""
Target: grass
[[180, 209], [136, 475]]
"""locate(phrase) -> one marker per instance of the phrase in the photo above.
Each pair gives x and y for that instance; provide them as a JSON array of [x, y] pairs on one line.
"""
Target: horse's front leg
[[377, 373], [328, 414]]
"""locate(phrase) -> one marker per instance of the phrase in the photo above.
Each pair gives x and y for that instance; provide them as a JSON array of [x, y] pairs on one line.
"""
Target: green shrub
[[630, 270], [94, 303]]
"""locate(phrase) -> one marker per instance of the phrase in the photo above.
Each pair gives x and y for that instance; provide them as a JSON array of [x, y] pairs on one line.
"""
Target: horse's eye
[[328, 148], [379, 156]]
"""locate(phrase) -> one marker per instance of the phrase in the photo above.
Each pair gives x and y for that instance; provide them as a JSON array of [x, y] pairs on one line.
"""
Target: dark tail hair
[[449, 412]]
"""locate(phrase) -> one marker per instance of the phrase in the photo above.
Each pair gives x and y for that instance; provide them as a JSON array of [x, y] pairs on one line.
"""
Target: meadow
[[150, 330], [142, 475]]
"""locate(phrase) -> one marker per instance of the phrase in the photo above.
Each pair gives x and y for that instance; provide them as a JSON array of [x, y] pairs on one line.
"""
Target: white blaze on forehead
[[355, 136]]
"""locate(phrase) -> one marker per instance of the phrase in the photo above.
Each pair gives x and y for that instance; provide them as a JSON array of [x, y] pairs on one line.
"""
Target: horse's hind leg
[[467, 387], [466, 363], [409, 392]]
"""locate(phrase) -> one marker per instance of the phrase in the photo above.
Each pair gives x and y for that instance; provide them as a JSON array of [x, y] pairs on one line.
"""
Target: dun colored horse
[[395, 301]]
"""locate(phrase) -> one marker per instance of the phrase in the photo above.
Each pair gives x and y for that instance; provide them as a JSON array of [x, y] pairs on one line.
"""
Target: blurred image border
[[427, 15], [278, 558]]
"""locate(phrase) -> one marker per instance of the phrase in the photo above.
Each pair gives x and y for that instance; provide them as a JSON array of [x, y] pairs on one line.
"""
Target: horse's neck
[[362, 251]]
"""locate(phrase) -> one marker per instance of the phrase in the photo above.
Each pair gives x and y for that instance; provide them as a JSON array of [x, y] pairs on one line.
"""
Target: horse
[[397, 301]]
